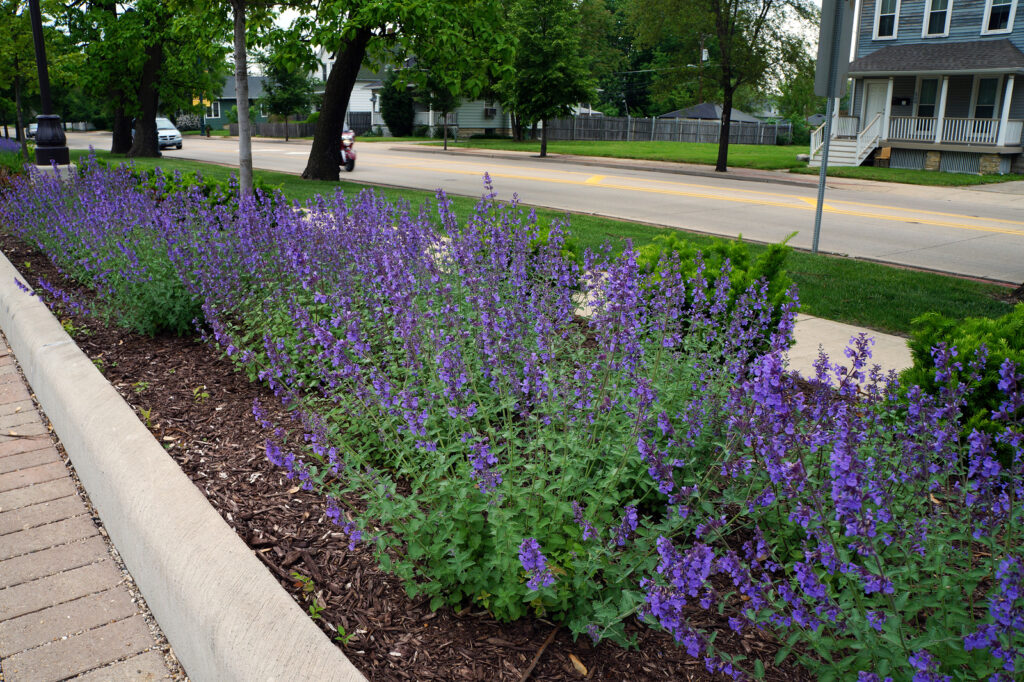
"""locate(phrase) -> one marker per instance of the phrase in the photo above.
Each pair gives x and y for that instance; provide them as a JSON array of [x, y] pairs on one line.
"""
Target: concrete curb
[[225, 616]]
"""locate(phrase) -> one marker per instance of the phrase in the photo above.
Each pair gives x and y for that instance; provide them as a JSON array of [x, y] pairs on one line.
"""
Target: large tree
[[385, 31], [147, 56], [549, 74], [17, 66], [746, 40]]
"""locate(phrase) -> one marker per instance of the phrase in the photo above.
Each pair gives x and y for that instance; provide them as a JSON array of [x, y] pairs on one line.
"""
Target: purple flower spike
[[536, 564]]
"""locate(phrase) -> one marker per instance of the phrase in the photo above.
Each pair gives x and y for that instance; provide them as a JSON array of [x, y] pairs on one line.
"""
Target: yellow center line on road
[[798, 204], [731, 190]]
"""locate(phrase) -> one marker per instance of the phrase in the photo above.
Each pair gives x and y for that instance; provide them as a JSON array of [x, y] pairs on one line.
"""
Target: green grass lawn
[[764, 156], [213, 133], [911, 177], [873, 295]]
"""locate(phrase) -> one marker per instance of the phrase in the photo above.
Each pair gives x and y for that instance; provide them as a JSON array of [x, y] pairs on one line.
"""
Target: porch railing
[[867, 139], [1014, 132], [954, 130], [977, 130], [914, 128], [846, 126]]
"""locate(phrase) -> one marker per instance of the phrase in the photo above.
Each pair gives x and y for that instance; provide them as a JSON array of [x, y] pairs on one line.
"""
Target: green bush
[[313, 118], [397, 106], [1002, 336], [673, 250]]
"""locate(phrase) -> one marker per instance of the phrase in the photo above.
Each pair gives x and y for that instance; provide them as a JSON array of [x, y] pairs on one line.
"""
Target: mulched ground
[[200, 409]]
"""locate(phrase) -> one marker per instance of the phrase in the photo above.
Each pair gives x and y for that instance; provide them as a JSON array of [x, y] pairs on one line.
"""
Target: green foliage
[[313, 118], [673, 252], [397, 106], [232, 114], [549, 75], [1002, 336], [287, 90]]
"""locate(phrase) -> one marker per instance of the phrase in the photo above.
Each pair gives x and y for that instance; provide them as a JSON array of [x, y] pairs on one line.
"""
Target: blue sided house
[[934, 86]]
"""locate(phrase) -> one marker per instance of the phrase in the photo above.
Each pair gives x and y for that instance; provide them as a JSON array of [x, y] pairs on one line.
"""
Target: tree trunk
[[121, 141], [286, 127], [18, 113], [533, 131], [146, 143], [517, 127], [445, 126], [723, 133], [323, 156], [543, 137], [242, 98]]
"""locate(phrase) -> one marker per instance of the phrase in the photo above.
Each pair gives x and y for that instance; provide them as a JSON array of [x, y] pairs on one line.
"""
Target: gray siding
[[965, 25], [858, 96], [958, 98], [904, 86], [471, 115], [1017, 102]]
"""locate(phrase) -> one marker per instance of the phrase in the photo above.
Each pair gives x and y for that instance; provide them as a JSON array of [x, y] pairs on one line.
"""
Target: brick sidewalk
[[67, 609]]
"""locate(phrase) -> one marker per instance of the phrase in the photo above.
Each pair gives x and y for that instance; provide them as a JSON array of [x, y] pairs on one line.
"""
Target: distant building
[[217, 111], [934, 83], [710, 112]]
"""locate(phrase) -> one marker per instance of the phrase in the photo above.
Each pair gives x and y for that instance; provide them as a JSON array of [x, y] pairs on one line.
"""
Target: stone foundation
[[989, 164], [931, 160]]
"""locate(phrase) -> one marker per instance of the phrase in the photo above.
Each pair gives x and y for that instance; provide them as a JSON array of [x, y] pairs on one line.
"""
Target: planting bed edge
[[225, 616]]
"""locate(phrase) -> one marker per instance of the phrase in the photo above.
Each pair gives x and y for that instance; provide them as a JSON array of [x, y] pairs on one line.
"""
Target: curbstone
[[225, 616]]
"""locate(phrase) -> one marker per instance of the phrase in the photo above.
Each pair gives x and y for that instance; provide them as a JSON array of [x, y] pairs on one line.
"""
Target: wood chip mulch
[[200, 409]]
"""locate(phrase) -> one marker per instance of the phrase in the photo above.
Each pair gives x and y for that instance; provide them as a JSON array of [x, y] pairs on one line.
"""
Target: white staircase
[[846, 151]]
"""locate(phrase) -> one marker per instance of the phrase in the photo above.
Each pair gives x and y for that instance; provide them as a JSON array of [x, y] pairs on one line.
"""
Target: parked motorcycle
[[346, 151]]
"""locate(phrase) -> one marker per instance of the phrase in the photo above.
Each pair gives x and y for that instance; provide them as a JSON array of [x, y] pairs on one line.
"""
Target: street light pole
[[51, 143]]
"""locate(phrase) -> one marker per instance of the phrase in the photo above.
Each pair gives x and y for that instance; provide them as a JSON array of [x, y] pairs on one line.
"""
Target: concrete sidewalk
[[68, 608], [891, 352]]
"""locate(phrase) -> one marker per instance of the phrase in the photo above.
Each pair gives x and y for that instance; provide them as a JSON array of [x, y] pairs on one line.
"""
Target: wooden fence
[[665, 129]]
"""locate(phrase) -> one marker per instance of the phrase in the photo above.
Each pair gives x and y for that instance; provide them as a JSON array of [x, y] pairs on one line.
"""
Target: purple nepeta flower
[[482, 462], [535, 564], [627, 526], [876, 619], [577, 515]]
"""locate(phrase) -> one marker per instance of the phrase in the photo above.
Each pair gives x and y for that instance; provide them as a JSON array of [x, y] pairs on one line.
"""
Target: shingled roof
[[945, 57]]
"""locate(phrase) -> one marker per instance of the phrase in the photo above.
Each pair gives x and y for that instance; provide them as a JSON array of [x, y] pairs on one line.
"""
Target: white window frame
[[988, 14], [927, 20], [996, 109], [895, 21], [213, 111]]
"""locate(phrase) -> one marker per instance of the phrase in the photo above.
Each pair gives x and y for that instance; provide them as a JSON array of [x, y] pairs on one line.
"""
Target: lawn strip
[[763, 156], [911, 177], [863, 293]]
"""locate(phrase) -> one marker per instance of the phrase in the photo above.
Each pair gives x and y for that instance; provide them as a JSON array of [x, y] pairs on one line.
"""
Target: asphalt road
[[978, 233]]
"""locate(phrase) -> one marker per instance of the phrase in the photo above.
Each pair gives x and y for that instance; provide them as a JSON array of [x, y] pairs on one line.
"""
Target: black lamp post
[[51, 144]]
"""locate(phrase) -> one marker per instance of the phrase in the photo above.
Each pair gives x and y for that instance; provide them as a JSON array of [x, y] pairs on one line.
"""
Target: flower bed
[[496, 451]]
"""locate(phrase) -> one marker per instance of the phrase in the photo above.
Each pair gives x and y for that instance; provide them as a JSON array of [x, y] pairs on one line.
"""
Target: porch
[[955, 97], [981, 114], [967, 131]]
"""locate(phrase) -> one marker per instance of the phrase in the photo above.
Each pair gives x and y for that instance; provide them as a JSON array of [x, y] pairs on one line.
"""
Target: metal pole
[[833, 69], [51, 143]]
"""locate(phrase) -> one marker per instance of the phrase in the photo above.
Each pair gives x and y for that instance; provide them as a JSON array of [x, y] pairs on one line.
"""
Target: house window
[[886, 12], [999, 16], [213, 111], [985, 101], [926, 102], [937, 18]]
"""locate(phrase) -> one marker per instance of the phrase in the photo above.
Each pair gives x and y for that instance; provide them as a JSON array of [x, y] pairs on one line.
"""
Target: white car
[[167, 134]]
